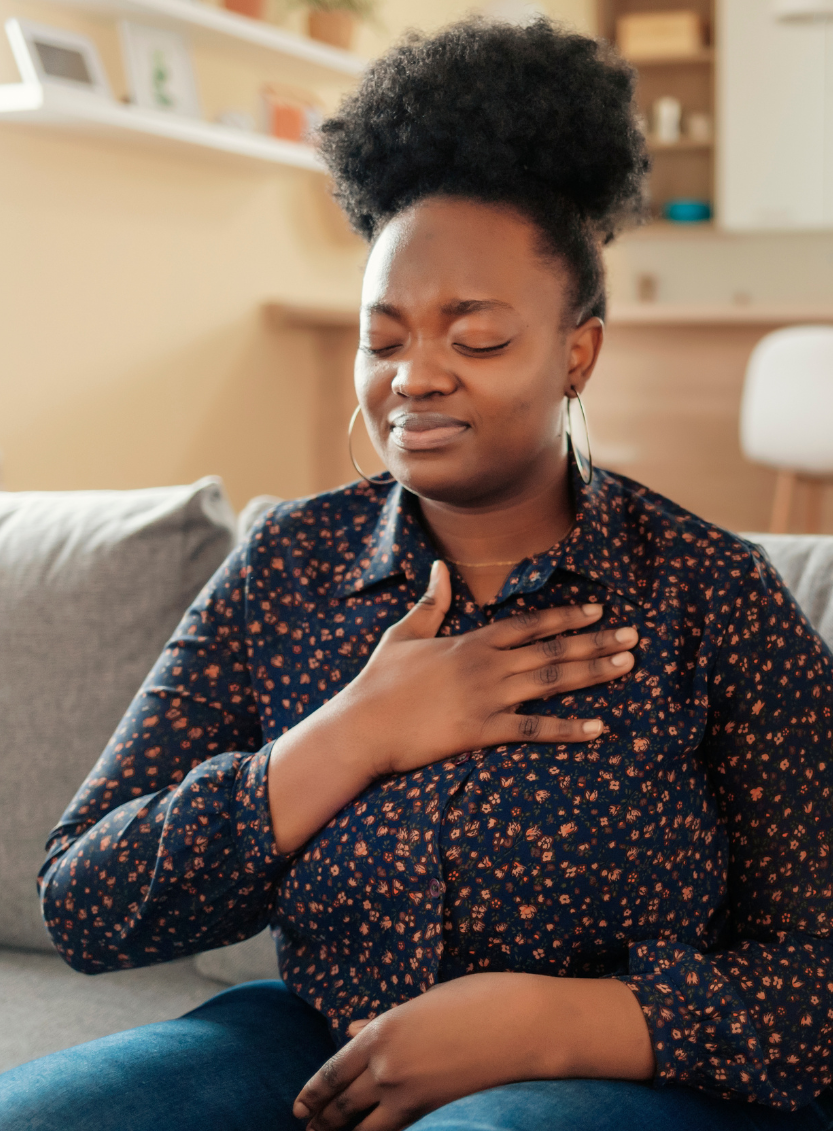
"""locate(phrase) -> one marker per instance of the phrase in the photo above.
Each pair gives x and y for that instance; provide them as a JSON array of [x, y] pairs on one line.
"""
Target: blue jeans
[[237, 1062]]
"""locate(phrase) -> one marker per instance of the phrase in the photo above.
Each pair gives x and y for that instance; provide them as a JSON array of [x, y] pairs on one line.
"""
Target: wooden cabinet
[[685, 169], [775, 92]]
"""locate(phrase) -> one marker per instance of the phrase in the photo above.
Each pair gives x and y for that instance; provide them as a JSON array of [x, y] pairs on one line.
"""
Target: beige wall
[[132, 349]]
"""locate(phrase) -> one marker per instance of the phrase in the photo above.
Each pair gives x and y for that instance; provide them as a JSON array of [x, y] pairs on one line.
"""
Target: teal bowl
[[687, 211]]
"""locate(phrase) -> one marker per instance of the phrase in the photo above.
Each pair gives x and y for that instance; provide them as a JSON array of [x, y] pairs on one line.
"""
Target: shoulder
[[664, 540], [320, 529]]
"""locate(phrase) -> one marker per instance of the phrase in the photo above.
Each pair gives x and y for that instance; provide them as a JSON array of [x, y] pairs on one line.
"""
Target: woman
[[536, 824]]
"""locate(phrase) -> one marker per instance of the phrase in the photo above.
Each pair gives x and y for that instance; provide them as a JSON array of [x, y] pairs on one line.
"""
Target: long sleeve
[[755, 1020], [167, 847]]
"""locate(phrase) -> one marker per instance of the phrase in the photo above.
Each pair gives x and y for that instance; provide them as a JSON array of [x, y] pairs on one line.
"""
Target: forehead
[[445, 249]]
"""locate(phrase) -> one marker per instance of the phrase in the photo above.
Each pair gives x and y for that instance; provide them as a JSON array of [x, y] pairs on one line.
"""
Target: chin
[[445, 480]]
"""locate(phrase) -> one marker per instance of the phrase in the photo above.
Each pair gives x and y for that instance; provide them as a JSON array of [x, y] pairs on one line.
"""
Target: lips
[[420, 431]]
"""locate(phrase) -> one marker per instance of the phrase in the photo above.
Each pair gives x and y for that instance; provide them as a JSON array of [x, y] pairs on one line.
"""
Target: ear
[[584, 344]]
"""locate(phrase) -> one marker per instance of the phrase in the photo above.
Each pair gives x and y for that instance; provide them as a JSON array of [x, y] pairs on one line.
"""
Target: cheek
[[527, 407], [372, 385]]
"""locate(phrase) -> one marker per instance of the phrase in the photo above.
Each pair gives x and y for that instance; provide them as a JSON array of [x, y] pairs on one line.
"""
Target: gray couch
[[91, 585]]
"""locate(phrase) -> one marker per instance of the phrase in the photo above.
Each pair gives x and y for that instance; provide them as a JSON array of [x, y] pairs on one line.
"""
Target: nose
[[422, 374]]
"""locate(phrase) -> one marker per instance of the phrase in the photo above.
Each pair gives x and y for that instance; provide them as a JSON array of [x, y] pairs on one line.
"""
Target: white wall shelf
[[79, 112], [208, 24]]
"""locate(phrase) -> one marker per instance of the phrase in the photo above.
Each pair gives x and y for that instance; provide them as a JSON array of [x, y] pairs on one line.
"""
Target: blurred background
[[178, 290]]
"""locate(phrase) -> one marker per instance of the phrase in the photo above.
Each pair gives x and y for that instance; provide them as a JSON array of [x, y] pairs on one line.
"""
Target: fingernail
[[591, 610], [300, 1111], [620, 659], [592, 727], [623, 634]]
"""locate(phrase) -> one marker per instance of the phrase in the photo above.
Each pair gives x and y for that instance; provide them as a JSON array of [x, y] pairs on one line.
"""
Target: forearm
[[587, 1027], [316, 769], [168, 874]]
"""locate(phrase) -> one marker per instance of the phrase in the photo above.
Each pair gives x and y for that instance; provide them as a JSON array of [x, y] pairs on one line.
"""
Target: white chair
[[786, 416]]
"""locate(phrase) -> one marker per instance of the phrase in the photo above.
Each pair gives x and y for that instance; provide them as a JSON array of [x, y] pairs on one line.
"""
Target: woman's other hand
[[474, 1033], [426, 697]]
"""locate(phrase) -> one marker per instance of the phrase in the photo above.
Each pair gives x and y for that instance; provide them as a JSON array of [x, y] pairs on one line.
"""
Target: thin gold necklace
[[479, 565], [486, 565]]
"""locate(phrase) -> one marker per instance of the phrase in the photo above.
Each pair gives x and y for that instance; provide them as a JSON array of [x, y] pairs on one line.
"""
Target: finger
[[508, 727], [355, 1027], [362, 1095], [425, 618], [556, 679], [569, 649], [333, 1077], [533, 624], [386, 1118]]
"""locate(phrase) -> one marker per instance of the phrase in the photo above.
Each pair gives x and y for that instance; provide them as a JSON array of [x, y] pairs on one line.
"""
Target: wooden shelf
[[619, 314], [686, 169], [684, 145], [208, 24], [30, 104], [664, 229], [704, 57], [310, 317], [671, 314]]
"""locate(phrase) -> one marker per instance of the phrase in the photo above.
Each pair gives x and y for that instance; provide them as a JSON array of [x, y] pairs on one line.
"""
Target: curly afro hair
[[534, 118]]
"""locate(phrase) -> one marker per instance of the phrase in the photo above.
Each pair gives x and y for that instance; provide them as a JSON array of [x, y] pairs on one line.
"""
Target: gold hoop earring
[[367, 478], [585, 466]]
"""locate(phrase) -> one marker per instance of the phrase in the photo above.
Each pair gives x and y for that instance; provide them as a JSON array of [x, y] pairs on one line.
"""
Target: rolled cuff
[[251, 820], [700, 1029]]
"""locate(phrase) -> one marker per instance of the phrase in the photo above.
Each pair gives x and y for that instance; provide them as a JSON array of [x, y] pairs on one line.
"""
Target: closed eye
[[379, 351], [481, 350]]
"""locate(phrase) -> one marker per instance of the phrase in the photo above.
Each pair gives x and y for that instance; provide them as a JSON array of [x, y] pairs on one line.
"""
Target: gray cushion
[[46, 1006], [805, 562], [92, 583], [247, 961], [252, 511]]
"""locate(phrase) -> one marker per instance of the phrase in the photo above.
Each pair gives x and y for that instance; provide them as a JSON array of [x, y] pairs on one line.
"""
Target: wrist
[[322, 752], [588, 1028], [361, 725]]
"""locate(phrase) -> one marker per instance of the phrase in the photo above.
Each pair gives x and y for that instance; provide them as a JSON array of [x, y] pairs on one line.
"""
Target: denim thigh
[[235, 1063], [611, 1105]]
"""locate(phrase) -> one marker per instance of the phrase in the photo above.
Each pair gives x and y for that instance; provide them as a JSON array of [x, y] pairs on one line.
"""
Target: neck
[[506, 531]]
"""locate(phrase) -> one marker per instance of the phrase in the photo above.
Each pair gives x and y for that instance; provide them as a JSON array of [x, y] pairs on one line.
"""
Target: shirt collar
[[398, 544], [605, 544]]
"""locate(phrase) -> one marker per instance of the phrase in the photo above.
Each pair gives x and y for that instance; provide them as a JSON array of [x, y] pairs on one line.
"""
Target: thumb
[[425, 618]]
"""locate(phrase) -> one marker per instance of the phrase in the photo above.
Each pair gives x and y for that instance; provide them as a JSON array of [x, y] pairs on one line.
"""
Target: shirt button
[[435, 889]]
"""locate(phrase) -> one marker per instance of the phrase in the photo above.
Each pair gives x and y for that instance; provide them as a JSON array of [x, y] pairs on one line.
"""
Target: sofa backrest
[[805, 562], [92, 583]]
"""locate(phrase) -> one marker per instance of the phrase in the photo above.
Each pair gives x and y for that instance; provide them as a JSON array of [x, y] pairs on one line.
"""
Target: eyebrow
[[452, 309]]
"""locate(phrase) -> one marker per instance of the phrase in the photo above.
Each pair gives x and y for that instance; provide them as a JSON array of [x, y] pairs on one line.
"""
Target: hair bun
[[495, 111]]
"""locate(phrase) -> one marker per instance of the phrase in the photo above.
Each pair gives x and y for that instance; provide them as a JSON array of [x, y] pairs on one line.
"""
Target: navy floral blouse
[[686, 851]]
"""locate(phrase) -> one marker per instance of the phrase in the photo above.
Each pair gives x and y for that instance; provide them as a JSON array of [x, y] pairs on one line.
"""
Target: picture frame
[[160, 74], [50, 56]]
